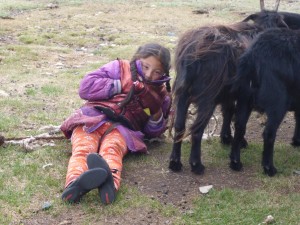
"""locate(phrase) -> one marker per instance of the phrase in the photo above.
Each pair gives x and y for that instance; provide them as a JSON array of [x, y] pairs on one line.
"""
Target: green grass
[[51, 90], [6, 7], [243, 207]]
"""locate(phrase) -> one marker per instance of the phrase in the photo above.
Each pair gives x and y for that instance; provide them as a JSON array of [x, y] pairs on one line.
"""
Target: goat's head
[[273, 19], [267, 18]]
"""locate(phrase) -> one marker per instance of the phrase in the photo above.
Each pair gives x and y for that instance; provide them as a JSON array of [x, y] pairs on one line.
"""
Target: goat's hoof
[[270, 171], [244, 143], [226, 140], [236, 166], [175, 166], [197, 168]]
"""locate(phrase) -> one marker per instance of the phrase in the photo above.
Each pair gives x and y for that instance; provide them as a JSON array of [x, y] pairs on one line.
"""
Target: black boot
[[107, 190], [87, 181]]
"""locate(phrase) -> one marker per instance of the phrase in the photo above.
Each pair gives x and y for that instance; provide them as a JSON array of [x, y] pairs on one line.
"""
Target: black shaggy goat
[[268, 79], [206, 61]]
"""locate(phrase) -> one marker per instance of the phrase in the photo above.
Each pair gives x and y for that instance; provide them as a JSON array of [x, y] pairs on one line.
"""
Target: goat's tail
[[245, 79], [182, 82], [179, 87]]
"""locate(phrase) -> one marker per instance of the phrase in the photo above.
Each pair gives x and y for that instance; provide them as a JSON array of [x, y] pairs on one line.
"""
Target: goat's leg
[[296, 137], [243, 111], [179, 126], [225, 135], [227, 113], [195, 156], [197, 133], [269, 135]]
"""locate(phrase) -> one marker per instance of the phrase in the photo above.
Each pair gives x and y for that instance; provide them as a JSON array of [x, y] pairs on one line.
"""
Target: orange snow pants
[[112, 148]]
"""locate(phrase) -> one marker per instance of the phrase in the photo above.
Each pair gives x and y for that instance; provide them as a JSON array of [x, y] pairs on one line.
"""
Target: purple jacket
[[103, 84]]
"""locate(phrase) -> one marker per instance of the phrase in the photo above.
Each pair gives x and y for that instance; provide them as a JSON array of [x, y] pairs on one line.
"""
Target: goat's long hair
[[205, 60]]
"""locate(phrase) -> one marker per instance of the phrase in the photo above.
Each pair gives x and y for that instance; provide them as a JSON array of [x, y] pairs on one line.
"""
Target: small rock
[[52, 6], [46, 205], [269, 219], [47, 165], [296, 172], [3, 93], [205, 189]]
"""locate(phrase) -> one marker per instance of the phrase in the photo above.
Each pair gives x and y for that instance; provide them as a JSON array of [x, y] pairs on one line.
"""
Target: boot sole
[[87, 181], [106, 190]]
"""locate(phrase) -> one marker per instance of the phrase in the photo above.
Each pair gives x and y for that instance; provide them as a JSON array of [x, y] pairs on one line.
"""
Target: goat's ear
[[262, 5], [277, 5], [281, 22], [250, 17]]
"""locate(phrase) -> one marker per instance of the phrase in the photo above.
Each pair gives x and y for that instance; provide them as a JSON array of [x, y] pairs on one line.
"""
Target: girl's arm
[[102, 83]]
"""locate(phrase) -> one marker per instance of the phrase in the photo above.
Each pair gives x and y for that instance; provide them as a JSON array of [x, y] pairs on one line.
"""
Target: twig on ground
[[29, 143]]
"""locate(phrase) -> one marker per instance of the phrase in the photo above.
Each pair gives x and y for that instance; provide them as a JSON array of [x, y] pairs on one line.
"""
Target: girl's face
[[152, 68]]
